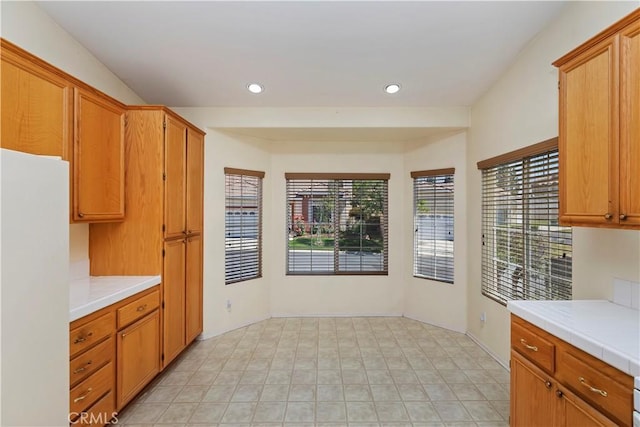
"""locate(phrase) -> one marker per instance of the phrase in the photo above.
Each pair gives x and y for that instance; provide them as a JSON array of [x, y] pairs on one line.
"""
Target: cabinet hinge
[[164, 176], [164, 124], [162, 357], [558, 84], [164, 227], [163, 252], [162, 304]]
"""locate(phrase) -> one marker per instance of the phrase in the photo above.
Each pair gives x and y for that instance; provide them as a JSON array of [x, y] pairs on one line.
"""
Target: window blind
[[337, 224], [526, 254], [243, 225], [433, 225]]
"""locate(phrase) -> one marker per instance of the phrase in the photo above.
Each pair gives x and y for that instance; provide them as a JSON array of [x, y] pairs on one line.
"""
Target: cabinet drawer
[[534, 347], [88, 334], [90, 361], [90, 390], [138, 308], [597, 383], [100, 413]]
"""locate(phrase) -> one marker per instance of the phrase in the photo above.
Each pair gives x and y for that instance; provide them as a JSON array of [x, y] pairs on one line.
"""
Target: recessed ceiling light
[[392, 88], [255, 87]]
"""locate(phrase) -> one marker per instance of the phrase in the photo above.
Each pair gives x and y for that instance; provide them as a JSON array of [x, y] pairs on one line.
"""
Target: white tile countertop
[[608, 331], [90, 294]]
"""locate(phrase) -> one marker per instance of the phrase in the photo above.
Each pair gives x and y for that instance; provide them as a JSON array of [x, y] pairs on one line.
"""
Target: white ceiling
[[305, 53]]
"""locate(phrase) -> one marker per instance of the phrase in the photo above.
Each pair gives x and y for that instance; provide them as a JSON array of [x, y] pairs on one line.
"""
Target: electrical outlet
[[483, 316], [228, 305]]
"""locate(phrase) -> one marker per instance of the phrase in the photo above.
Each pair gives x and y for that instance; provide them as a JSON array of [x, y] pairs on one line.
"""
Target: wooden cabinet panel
[[537, 349], [195, 180], [530, 384], [138, 356], [137, 309], [87, 363], [98, 158], [630, 125], [36, 107], [194, 287], [173, 279], [574, 412], [588, 136], [93, 388], [100, 413], [85, 336], [175, 152]]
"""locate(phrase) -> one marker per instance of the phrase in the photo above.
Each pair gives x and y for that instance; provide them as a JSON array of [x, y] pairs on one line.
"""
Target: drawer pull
[[530, 347], [593, 389], [82, 338], [142, 308], [83, 368], [84, 396], [548, 384]]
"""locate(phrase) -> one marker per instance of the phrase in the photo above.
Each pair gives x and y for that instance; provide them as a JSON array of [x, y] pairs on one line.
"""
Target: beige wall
[[249, 299], [28, 26], [521, 109], [438, 303]]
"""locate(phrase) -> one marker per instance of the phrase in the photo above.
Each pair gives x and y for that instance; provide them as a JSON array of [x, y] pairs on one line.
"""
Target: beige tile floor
[[360, 371]]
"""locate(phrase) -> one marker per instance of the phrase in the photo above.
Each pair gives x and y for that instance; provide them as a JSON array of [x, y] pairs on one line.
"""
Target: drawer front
[[93, 332], [534, 347], [100, 413], [90, 390], [138, 308], [596, 384], [90, 361]]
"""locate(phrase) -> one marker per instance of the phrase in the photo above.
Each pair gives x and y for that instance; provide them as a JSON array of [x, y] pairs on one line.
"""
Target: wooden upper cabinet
[[36, 106], [630, 124], [195, 179], [599, 142], [175, 152], [98, 158]]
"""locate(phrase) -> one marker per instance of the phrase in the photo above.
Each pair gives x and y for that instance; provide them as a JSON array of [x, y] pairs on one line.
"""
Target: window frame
[[336, 270], [435, 173], [257, 264], [525, 165]]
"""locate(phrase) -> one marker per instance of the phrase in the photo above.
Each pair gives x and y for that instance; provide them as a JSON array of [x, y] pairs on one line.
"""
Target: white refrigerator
[[34, 290]]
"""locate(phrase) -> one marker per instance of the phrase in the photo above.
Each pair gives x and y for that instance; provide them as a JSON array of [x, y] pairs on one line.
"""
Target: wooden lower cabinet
[[174, 297], [138, 356], [115, 352], [556, 384], [530, 384]]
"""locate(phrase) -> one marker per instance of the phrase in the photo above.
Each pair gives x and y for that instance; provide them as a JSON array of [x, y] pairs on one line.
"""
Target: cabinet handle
[[83, 368], [82, 338], [142, 308], [608, 216], [530, 347], [593, 389], [548, 384], [80, 215], [84, 396], [559, 393], [623, 217]]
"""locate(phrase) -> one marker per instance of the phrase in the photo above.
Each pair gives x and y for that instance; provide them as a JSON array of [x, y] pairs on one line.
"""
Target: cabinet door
[[175, 151], [588, 143], [195, 180], [36, 108], [138, 349], [533, 402], [194, 287], [574, 412], [630, 125], [173, 298], [98, 158]]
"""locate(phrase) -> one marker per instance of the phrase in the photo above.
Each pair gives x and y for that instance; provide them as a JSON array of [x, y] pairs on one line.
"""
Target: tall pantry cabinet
[[163, 230]]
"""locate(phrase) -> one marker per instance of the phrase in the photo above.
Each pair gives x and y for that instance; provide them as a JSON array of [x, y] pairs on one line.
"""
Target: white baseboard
[[491, 353]]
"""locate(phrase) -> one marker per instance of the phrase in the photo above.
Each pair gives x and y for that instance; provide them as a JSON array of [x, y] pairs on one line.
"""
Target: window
[[243, 225], [337, 223], [526, 254], [433, 224]]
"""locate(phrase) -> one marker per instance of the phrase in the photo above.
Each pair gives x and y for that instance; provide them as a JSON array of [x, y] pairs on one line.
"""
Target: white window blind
[[337, 223], [433, 224], [526, 254], [243, 225]]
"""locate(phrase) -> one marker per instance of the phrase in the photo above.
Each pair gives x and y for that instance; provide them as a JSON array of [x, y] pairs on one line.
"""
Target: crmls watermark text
[[91, 418]]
